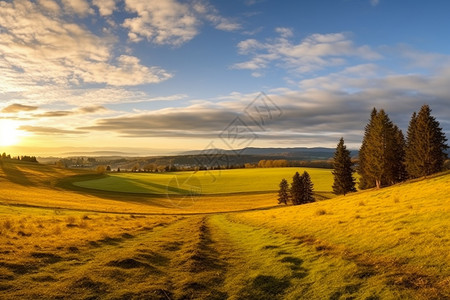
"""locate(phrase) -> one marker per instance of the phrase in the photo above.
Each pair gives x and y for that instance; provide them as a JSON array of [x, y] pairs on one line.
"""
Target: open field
[[207, 182], [392, 243]]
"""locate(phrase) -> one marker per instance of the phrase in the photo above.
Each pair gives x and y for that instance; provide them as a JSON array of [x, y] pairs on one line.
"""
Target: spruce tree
[[412, 163], [399, 173], [426, 145], [378, 159], [283, 193], [342, 170], [366, 181], [296, 189], [307, 189]]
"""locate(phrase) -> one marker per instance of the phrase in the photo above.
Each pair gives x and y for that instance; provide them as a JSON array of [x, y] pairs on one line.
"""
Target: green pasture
[[206, 182]]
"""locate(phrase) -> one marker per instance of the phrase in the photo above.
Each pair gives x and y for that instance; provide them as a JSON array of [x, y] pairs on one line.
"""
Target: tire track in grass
[[264, 264], [199, 271]]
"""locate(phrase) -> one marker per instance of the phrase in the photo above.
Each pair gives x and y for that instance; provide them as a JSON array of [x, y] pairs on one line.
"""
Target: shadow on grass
[[265, 287], [14, 175]]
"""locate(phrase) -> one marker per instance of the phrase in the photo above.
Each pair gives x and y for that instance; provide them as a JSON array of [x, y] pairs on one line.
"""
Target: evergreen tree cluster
[[301, 191], [385, 157]]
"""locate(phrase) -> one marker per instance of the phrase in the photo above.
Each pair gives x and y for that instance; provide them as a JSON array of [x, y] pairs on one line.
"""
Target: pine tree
[[342, 170], [307, 189], [426, 145], [366, 181], [283, 193], [412, 163], [378, 159], [296, 189], [399, 173]]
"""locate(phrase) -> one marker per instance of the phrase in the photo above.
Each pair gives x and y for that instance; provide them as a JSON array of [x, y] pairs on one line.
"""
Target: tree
[[379, 153], [366, 181], [108, 169], [307, 189], [296, 189], [426, 145], [302, 189], [342, 170], [398, 168], [283, 193], [412, 163]]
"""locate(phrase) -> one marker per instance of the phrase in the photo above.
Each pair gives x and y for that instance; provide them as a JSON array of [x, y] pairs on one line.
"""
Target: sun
[[9, 135]]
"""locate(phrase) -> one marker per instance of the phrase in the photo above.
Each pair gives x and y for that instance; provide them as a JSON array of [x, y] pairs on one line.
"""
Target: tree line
[[5, 156], [386, 157]]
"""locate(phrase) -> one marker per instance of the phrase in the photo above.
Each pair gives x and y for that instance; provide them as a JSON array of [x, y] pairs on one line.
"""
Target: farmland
[[60, 240], [206, 182]]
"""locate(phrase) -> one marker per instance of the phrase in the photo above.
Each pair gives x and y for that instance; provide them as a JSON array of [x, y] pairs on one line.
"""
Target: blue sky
[[155, 77]]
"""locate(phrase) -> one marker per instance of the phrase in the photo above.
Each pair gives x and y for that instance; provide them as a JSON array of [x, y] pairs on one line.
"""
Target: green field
[[207, 182], [59, 241]]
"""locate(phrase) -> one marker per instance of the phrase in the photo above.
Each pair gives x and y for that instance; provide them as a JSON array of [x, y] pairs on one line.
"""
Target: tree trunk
[[378, 183]]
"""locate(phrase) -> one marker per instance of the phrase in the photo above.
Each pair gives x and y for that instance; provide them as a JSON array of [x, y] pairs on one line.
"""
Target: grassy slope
[[207, 182], [25, 183], [387, 244]]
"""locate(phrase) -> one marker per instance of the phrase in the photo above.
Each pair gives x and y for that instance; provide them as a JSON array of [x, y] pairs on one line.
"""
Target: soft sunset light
[[9, 135]]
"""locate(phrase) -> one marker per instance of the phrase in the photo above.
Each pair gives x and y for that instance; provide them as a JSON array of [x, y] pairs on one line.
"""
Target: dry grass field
[[61, 243]]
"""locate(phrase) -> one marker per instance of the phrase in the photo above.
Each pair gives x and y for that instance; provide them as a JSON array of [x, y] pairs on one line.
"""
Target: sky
[[167, 76]]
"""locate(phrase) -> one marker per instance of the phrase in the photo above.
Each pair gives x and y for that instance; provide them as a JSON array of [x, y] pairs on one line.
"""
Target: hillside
[[392, 243]]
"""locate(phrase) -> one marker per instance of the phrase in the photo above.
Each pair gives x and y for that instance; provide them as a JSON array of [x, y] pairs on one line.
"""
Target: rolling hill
[[392, 243]]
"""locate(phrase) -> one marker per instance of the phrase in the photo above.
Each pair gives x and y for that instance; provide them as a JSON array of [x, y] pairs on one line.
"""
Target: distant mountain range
[[299, 153]]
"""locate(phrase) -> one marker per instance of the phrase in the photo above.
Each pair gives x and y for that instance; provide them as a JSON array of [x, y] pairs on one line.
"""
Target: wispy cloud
[[314, 52], [16, 107], [43, 130], [374, 2], [78, 111]]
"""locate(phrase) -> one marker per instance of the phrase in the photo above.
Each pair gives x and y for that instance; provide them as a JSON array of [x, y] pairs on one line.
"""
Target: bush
[[100, 169]]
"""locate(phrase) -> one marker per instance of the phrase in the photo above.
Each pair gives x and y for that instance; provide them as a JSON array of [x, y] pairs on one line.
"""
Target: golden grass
[[391, 243], [37, 185]]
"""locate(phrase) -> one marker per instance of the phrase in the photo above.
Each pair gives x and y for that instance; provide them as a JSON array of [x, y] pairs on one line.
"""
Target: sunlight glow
[[9, 135]]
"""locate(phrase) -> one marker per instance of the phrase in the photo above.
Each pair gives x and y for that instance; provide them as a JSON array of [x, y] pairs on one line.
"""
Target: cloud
[[318, 112], [105, 7], [16, 107], [43, 130], [53, 51], [374, 2], [172, 22], [161, 22], [80, 7], [313, 53], [78, 111], [51, 114], [284, 32], [50, 6], [92, 109]]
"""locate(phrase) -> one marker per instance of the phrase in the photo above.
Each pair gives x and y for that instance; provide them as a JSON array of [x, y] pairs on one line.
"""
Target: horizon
[[159, 78]]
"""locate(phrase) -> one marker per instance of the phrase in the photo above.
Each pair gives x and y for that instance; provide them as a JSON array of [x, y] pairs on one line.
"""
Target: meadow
[[63, 241], [207, 182]]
